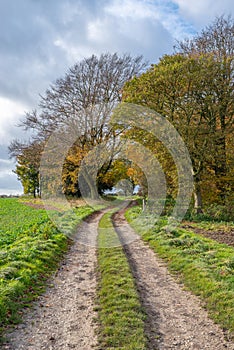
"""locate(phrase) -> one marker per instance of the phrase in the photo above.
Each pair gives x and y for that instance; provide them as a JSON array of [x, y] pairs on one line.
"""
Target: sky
[[41, 39]]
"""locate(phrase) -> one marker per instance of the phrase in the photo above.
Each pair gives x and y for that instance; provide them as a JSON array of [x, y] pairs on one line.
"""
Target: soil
[[40, 206], [64, 317], [220, 236]]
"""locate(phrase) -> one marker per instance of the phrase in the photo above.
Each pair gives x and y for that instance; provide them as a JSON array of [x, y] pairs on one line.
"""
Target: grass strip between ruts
[[205, 266], [121, 317]]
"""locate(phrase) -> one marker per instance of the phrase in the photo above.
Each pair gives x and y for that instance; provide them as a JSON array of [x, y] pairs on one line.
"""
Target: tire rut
[[62, 318], [175, 317]]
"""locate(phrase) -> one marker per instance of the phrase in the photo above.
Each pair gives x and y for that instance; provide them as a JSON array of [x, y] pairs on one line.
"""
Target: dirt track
[[63, 318]]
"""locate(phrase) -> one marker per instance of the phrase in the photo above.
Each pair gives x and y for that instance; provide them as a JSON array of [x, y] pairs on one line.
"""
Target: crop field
[[30, 248]]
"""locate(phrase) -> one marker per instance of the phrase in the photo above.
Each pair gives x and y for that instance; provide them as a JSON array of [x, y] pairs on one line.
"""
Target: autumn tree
[[117, 172], [85, 97], [217, 41], [189, 90]]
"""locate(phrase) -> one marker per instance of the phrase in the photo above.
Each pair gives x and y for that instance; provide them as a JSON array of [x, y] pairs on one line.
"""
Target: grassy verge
[[30, 249], [120, 314], [203, 265], [212, 226]]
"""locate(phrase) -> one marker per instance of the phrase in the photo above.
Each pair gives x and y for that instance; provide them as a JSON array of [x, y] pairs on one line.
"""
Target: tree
[[217, 40], [87, 93], [28, 161], [29, 176], [184, 90], [117, 172], [82, 101]]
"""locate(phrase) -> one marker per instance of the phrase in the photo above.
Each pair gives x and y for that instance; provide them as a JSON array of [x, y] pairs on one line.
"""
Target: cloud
[[164, 12], [28, 59], [41, 39], [11, 112], [122, 26], [202, 12], [135, 26], [5, 168], [8, 180]]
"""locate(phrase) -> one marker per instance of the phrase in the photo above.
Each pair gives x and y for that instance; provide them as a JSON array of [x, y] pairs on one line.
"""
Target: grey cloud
[[5, 166], [144, 36], [10, 185], [30, 58], [8, 180], [4, 153]]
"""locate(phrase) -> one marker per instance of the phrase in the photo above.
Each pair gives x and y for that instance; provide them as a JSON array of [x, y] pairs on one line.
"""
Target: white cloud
[[5, 173], [130, 9], [8, 180], [202, 12], [5, 162], [10, 113], [163, 11], [8, 191], [118, 31]]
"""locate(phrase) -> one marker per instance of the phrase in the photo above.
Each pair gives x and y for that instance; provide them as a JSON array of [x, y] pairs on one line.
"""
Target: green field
[[30, 249]]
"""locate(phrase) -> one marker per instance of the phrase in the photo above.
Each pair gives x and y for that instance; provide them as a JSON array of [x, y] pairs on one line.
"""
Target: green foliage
[[203, 265], [68, 220], [120, 314], [213, 212], [28, 163], [110, 175], [28, 174]]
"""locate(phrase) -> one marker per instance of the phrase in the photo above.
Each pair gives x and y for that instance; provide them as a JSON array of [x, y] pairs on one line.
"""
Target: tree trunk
[[198, 197], [88, 185], [221, 167]]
